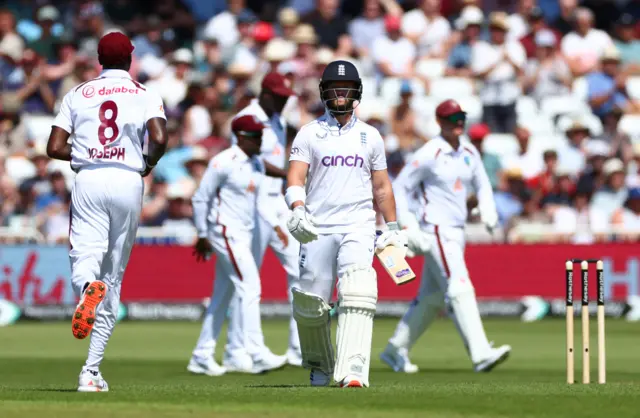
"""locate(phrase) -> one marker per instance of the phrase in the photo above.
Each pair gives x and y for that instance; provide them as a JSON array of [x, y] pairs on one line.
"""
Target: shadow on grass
[[50, 390], [283, 387]]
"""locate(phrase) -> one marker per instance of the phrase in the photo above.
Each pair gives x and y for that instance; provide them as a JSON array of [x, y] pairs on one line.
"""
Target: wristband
[[393, 226], [294, 194]]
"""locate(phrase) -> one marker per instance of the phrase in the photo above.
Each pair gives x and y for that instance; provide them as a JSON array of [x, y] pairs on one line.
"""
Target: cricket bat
[[392, 259]]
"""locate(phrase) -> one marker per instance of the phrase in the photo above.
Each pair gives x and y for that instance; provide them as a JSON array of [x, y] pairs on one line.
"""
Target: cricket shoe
[[84, 316], [398, 359], [319, 378], [239, 363], [92, 381], [268, 361], [497, 356], [205, 365], [294, 357], [351, 382]]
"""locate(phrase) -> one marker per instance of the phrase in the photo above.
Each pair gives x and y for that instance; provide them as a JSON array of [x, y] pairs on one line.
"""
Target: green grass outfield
[[145, 367]]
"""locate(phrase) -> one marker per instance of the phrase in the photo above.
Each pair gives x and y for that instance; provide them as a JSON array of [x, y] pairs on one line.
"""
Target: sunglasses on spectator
[[455, 117]]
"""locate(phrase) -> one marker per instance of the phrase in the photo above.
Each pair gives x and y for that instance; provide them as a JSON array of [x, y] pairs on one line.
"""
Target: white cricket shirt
[[446, 177], [107, 119], [341, 159], [229, 193], [274, 141]]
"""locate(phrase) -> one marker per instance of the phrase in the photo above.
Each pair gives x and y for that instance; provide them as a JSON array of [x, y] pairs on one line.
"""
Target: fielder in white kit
[[446, 171], [106, 119], [344, 164], [232, 190], [267, 108]]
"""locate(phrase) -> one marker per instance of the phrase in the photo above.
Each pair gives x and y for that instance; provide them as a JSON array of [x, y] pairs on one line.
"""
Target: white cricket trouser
[[444, 274], [264, 237], [105, 211], [236, 272], [329, 256]]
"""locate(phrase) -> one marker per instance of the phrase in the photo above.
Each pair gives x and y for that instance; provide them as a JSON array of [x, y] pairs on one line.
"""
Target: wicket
[[584, 269]]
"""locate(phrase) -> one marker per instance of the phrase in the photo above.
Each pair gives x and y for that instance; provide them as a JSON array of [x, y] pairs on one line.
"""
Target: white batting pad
[[357, 298], [311, 313], [464, 307]]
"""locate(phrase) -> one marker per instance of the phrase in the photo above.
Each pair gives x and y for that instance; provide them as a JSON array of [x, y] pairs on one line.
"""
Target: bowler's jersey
[[107, 119], [445, 177], [274, 141], [229, 192], [341, 159]]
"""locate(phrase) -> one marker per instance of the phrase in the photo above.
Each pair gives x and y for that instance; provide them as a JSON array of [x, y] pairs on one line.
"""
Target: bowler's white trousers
[[264, 236], [444, 276], [327, 258], [235, 273], [105, 211]]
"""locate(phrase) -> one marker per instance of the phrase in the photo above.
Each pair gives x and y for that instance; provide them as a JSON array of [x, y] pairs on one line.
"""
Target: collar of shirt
[[115, 74], [332, 122], [447, 148]]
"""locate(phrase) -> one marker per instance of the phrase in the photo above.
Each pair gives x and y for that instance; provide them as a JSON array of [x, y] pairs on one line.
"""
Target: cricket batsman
[[337, 167], [446, 171], [106, 119], [225, 207]]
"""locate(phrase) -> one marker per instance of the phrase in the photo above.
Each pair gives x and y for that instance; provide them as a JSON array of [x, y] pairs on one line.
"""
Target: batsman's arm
[[299, 160], [203, 197], [383, 194]]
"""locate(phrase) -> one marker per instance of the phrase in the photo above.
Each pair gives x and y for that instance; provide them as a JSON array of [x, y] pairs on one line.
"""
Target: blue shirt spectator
[[604, 94]]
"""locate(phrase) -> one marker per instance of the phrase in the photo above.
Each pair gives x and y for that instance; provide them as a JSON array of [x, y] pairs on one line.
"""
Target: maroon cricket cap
[[448, 108], [478, 131], [114, 48], [247, 125], [277, 84]]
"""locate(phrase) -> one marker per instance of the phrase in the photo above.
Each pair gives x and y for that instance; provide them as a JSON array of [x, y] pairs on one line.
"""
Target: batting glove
[[301, 226]]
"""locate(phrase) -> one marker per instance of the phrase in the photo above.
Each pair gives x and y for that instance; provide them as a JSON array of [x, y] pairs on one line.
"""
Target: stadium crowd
[[552, 92]]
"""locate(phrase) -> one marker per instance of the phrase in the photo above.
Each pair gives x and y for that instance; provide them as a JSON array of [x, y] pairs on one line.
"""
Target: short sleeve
[[301, 148], [413, 23], [155, 107], [63, 119], [378, 156], [378, 50]]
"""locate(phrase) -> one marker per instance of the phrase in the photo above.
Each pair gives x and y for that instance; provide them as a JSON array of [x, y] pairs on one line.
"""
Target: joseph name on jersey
[[445, 177], [341, 159], [229, 191], [107, 119]]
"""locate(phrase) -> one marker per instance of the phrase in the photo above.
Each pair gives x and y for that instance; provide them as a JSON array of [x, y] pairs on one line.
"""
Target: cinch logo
[[340, 161], [105, 91], [402, 273]]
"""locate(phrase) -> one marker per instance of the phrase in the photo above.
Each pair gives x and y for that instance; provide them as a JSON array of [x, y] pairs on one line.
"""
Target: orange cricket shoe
[[85, 315]]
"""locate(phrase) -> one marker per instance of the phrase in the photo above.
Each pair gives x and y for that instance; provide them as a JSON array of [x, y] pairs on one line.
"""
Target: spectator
[[197, 118], [580, 224], [172, 86], [507, 197], [585, 45], [179, 213], [536, 25], [11, 44], [627, 219], [154, 201], [607, 88], [403, 122], [633, 179], [459, 61], [175, 16], [548, 74], [530, 217], [545, 181], [197, 164], [330, 26], [592, 177], [528, 161], [491, 162], [394, 54], [94, 25], [613, 195], [223, 27], [44, 45], [171, 167], [564, 22], [306, 40], [518, 22], [30, 86], [9, 199], [427, 29], [365, 29], [288, 19], [38, 185], [562, 191], [58, 191], [572, 156], [627, 44], [498, 63], [148, 42], [620, 142]]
